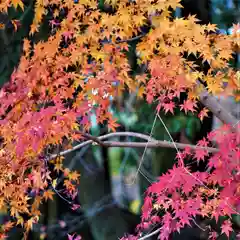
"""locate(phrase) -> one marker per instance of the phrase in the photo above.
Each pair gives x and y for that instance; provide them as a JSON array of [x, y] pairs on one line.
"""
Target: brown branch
[[205, 97], [216, 108], [152, 143], [156, 144]]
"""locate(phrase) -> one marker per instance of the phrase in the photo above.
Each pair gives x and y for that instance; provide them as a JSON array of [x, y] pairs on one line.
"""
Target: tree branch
[[216, 108], [152, 143], [206, 98]]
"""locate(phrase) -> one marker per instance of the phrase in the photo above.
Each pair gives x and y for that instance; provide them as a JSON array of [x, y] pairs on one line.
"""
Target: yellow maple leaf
[[20, 221], [29, 224], [237, 79], [54, 183], [33, 28], [214, 88], [13, 212], [74, 176], [140, 92], [17, 3], [111, 2], [211, 27]]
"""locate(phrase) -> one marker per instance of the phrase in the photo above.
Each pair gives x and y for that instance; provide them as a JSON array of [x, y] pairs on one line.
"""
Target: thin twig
[[203, 229], [177, 149], [150, 234], [145, 150]]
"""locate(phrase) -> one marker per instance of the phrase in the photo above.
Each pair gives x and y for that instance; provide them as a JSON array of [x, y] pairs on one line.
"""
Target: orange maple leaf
[[48, 195], [203, 114]]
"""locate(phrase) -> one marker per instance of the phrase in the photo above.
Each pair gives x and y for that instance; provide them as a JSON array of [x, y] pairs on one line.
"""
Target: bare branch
[[152, 143], [109, 135]]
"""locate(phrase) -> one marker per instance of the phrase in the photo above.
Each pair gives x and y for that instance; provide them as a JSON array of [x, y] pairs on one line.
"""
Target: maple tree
[[61, 82]]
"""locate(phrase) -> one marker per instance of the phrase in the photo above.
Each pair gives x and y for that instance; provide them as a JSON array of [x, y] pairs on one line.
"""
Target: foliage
[[61, 82]]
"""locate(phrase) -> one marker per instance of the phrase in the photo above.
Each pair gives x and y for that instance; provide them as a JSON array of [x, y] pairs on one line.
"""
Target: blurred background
[[110, 192]]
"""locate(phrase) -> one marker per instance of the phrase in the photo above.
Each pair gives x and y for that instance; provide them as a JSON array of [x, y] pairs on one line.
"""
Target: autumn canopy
[[61, 82]]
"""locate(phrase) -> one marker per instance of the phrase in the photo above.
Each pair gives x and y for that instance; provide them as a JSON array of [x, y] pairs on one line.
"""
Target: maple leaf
[[74, 237], [168, 107], [58, 167], [213, 235], [203, 114], [75, 207], [17, 3], [20, 221], [188, 105], [16, 23], [70, 237], [74, 176], [226, 227], [203, 142], [33, 28], [211, 27], [7, 226], [44, 75], [236, 28], [200, 154], [214, 87], [29, 224], [48, 195], [67, 35], [112, 125]]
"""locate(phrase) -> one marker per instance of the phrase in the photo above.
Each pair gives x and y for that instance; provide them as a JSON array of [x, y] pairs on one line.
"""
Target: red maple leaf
[[168, 107], [75, 207], [200, 154], [188, 105], [203, 142], [213, 235], [74, 237], [226, 227]]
